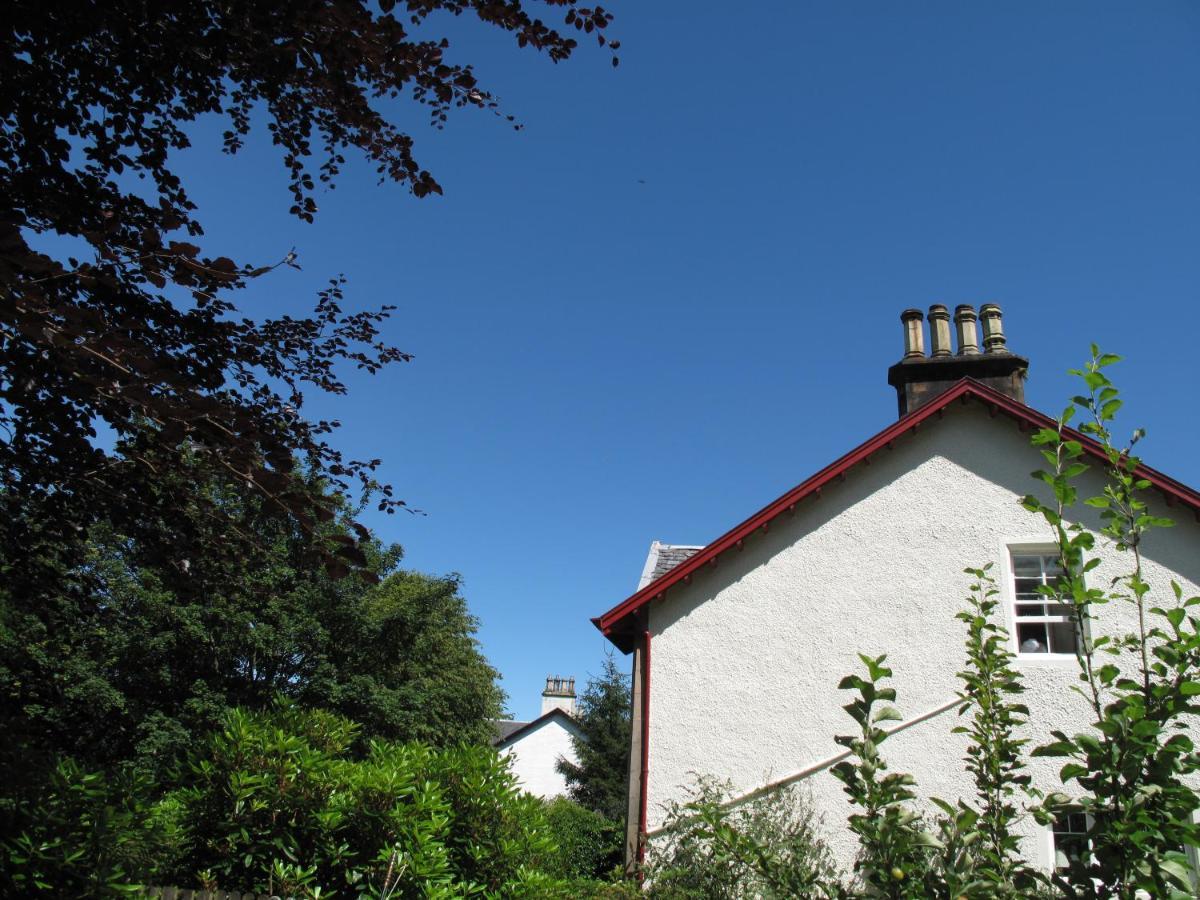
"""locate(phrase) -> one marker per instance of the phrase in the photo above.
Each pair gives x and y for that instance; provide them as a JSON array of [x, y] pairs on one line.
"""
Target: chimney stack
[[918, 378], [559, 694]]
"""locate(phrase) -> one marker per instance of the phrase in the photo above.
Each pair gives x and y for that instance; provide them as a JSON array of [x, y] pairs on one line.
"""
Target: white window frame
[[1050, 849], [1051, 846], [1009, 593]]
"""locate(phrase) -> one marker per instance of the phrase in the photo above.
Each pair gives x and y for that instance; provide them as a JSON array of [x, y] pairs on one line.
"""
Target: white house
[[739, 646], [536, 747]]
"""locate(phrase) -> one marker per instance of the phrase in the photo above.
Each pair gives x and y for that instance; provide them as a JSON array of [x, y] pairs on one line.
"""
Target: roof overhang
[[568, 722], [625, 621]]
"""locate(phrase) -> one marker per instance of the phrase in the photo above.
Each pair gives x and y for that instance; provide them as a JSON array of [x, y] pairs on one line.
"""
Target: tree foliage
[[895, 845], [600, 780], [589, 845], [127, 673], [279, 801], [990, 861], [114, 315], [1131, 768]]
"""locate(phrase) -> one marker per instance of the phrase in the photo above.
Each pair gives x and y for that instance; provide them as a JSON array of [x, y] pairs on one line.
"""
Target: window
[[1068, 839], [1041, 627]]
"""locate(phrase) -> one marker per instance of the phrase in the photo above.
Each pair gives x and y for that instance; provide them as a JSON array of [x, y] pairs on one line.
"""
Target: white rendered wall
[[534, 755], [743, 684]]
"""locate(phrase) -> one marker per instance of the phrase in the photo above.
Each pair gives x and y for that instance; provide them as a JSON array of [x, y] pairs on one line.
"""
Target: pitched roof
[[619, 624], [505, 727], [663, 558], [508, 736]]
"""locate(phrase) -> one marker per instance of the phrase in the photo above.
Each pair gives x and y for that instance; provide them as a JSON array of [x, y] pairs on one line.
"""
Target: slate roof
[[504, 729], [510, 731], [663, 558]]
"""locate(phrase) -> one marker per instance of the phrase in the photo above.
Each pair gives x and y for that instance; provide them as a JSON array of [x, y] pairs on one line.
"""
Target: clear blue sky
[[675, 294]]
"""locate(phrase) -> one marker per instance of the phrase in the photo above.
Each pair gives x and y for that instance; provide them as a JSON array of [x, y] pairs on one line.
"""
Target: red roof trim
[[965, 389]]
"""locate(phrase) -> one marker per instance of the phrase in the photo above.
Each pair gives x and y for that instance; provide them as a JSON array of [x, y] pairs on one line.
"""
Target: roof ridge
[[965, 389]]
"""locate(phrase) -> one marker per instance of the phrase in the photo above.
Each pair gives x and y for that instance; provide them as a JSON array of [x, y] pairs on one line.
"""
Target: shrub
[[589, 845], [83, 835], [767, 847], [278, 804]]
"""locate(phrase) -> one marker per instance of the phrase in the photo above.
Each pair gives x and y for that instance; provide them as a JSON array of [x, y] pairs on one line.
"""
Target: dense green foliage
[[279, 802], [84, 836], [600, 780], [126, 669], [279, 796], [589, 845]]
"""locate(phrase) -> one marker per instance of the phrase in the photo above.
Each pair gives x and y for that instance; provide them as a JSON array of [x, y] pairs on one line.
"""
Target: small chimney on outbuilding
[[918, 378], [559, 694]]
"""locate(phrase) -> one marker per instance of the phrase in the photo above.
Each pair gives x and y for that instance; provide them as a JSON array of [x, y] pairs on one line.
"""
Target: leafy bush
[[84, 835], [767, 847], [589, 845], [279, 804]]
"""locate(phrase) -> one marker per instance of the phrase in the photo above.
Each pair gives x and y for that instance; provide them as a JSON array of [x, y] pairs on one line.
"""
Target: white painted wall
[[535, 753], [746, 660]]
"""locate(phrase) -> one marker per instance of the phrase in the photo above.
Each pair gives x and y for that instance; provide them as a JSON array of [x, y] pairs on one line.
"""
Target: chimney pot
[[968, 336], [939, 331], [993, 329], [914, 333]]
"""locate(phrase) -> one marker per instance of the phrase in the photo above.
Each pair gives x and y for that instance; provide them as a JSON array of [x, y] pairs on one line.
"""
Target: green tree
[[128, 668], [600, 780], [896, 848], [981, 850], [406, 665], [1131, 768]]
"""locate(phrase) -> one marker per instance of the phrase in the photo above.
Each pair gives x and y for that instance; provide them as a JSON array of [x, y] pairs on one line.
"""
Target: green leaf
[[887, 714]]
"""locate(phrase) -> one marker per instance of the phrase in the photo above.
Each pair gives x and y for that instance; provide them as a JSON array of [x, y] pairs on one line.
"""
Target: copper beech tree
[[135, 328]]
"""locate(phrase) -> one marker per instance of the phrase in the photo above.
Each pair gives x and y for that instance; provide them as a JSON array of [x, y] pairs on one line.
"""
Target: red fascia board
[[965, 389]]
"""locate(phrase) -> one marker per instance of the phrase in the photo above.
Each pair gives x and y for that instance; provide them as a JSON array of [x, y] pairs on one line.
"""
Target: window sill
[[1046, 659]]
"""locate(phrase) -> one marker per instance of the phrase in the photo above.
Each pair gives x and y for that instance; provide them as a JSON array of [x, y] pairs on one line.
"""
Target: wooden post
[[633, 807]]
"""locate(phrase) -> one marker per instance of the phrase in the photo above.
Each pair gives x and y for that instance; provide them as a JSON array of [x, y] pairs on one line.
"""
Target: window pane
[[1052, 566], [1027, 566], [1028, 587], [1031, 637], [1031, 609], [1058, 609], [1070, 839], [1062, 637]]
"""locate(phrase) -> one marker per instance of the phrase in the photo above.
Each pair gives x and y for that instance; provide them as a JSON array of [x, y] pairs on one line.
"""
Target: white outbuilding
[[739, 645], [536, 747]]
